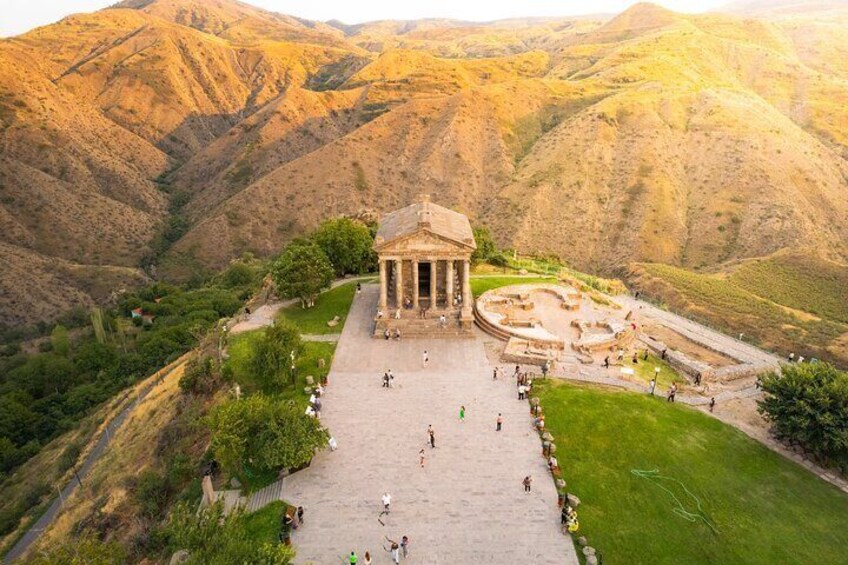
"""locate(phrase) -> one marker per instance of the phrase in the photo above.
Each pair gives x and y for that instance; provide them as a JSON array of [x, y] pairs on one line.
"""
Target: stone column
[[399, 282], [434, 268], [449, 282], [466, 289], [415, 284], [384, 287]]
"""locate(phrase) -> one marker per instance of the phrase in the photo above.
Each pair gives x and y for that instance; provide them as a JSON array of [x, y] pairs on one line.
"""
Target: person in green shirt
[[462, 413], [353, 558]]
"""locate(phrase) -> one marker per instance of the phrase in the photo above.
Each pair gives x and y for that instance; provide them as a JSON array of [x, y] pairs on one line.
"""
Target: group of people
[[568, 517], [388, 379], [395, 550], [389, 334]]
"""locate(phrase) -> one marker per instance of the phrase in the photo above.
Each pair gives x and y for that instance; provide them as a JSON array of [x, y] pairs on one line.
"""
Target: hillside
[[181, 134]]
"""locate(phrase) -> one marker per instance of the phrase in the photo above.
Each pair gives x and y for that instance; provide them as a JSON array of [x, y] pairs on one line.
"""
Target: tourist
[[645, 356], [653, 386], [635, 358], [499, 422], [300, 514], [358, 288], [407, 303], [606, 362], [636, 296], [247, 313], [546, 367], [461, 414], [425, 358], [527, 482], [387, 334], [443, 321], [385, 380], [495, 374], [698, 378], [800, 359], [404, 545], [664, 351], [380, 314], [397, 334], [671, 392], [421, 457], [517, 374], [394, 551], [367, 558], [521, 390], [387, 500], [391, 379], [712, 403], [397, 314], [620, 354], [432, 436], [353, 558]]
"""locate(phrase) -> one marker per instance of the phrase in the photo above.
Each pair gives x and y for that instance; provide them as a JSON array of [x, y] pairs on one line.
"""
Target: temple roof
[[424, 216]]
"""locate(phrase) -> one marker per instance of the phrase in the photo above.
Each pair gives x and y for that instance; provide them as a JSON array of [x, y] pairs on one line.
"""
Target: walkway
[[467, 505]]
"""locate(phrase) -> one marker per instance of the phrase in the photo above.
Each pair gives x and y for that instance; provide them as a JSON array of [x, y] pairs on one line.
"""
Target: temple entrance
[[424, 280]]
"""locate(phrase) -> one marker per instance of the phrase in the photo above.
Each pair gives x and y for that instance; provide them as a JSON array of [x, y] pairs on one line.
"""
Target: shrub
[[807, 403], [347, 244]]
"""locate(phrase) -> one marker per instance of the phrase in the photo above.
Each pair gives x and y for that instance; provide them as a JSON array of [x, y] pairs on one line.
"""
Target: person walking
[[353, 559], [367, 560], [394, 551], [527, 482], [620, 354], [653, 386], [712, 403], [499, 422], [425, 358], [606, 362], [521, 390], [645, 355], [386, 380], [404, 546], [495, 374], [387, 501], [461, 414], [671, 392], [421, 457], [432, 436], [635, 358]]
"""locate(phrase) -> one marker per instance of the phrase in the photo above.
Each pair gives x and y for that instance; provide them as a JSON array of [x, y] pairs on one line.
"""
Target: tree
[[211, 538], [302, 271], [807, 403], [274, 433], [238, 274], [347, 244], [60, 341], [486, 247], [271, 358]]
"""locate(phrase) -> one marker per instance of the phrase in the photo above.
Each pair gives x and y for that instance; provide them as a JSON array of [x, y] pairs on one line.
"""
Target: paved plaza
[[467, 505]]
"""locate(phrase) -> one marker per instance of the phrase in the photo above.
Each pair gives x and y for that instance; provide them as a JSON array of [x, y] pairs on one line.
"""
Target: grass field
[[644, 371], [264, 525], [479, 285], [765, 508], [798, 281], [725, 305], [335, 302]]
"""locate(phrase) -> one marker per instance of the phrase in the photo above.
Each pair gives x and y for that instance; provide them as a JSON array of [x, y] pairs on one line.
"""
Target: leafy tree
[[238, 274], [199, 376], [86, 550], [302, 271], [271, 358], [275, 434], [486, 247], [347, 244], [211, 538], [60, 341], [808, 403]]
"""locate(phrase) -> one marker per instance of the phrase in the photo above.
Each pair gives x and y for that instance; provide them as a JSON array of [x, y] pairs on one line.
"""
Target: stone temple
[[425, 267]]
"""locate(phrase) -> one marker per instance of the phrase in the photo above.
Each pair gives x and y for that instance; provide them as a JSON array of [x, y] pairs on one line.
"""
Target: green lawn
[[240, 348], [765, 508], [479, 285], [264, 525], [645, 371], [335, 302]]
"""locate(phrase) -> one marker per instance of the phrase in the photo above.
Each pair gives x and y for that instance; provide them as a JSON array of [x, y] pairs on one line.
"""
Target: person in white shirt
[[387, 500]]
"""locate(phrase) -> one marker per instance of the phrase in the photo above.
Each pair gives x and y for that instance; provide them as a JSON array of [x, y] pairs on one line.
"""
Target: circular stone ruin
[[551, 322]]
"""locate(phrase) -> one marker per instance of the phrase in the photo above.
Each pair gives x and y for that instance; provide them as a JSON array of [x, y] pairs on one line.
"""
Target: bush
[[486, 248], [808, 403]]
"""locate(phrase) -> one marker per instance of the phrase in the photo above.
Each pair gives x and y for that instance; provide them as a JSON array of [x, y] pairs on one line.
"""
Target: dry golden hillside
[[652, 136]]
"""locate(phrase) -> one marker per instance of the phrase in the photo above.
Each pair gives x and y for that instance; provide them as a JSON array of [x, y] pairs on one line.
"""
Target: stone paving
[[467, 504]]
